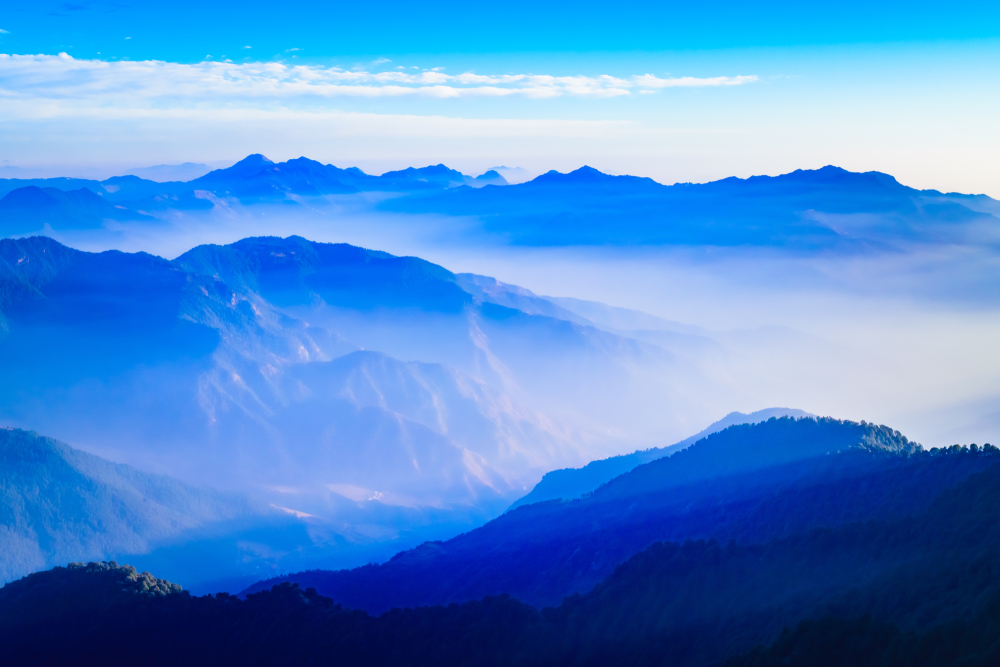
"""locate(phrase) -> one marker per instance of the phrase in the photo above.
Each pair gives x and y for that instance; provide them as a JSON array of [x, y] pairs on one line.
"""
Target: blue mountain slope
[[31, 209], [117, 189], [60, 183], [817, 208], [570, 483], [491, 290]]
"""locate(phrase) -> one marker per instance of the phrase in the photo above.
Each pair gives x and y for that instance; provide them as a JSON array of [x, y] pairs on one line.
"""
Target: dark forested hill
[[933, 574], [749, 483]]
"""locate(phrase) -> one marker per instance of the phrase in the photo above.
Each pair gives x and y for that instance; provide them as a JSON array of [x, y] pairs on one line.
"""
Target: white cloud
[[159, 84], [5, 32], [650, 81], [247, 47]]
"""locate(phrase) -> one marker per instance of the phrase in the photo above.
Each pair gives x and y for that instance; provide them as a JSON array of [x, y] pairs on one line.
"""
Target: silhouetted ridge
[[588, 175]]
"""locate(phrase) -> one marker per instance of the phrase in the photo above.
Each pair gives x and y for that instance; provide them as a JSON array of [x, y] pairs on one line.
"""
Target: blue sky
[[679, 92], [185, 31]]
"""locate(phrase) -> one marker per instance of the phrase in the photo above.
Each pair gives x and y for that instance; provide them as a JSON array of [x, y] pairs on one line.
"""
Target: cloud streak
[[156, 83]]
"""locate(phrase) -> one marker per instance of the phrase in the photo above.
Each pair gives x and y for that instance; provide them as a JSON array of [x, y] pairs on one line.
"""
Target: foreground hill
[[749, 483], [932, 573]]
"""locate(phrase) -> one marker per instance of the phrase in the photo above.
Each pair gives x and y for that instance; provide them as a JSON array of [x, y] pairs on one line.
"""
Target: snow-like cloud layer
[[156, 82]]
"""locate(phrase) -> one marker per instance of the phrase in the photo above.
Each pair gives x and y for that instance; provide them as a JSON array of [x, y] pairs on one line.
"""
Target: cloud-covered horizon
[[62, 76]]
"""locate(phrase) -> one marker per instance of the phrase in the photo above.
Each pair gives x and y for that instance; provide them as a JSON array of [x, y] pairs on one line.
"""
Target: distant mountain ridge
[[805, 209], [820, 208], [254, 179], [31, 208]]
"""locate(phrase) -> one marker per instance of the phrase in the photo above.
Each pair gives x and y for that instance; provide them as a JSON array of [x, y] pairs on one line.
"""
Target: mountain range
[[806, 209]]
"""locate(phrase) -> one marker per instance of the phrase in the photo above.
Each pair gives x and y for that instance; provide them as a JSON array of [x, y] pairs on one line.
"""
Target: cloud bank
[[62, 77]]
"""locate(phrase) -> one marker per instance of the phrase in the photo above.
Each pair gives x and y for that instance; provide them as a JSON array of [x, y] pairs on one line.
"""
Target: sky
[[678, 92]]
